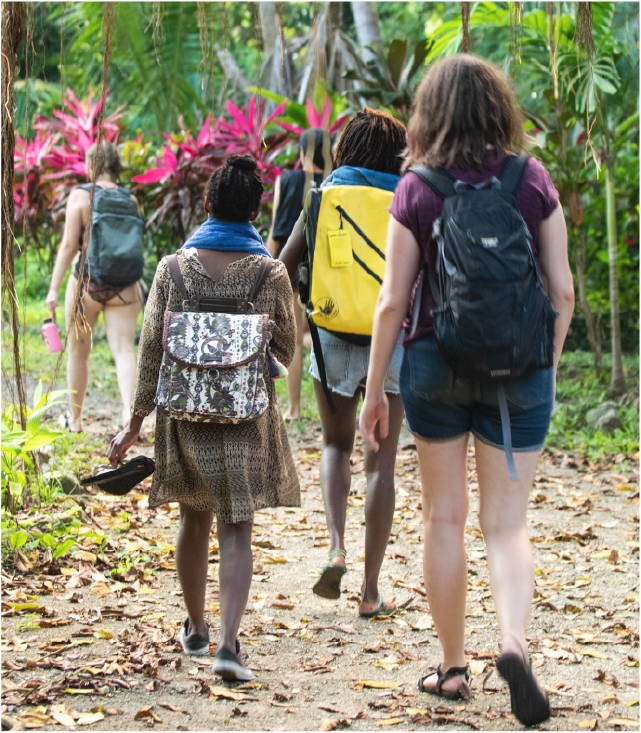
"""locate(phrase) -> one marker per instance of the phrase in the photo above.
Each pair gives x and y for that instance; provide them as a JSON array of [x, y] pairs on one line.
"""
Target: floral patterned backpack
[[215, 355]]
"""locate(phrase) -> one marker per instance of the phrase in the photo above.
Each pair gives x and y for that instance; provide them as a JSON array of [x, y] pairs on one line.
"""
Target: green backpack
[[115, 254]]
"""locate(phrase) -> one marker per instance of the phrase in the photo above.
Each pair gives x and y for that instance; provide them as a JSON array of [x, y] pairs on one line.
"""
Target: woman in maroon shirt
[[466, 121]]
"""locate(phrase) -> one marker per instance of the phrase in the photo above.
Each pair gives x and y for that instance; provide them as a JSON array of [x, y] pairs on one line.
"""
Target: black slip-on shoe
[[196, 645], [229, 667]]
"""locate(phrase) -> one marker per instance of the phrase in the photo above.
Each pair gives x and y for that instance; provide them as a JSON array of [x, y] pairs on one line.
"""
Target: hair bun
[[242, 162]]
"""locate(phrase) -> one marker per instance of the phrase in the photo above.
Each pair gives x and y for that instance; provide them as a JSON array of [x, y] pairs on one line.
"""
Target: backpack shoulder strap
[[176, 275], [512, 172], [261, 276], [438, 179]]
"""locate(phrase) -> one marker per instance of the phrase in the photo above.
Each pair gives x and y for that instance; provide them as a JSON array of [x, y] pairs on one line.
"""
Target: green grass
[[578, 391], [308, 408]]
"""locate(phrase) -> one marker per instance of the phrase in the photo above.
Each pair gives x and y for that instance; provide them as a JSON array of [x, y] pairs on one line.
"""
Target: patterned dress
[[232, 470]]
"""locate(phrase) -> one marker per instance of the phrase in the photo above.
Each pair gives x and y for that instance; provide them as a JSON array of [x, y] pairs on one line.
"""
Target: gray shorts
[[346, 365]]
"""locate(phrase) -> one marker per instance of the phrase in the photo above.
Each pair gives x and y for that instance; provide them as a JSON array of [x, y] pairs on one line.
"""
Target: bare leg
[[339, 429], [295, 369], [235, 570], [120, 324], [192, 554], [379, 504], [445, 506], [79, 341], [503, 510]]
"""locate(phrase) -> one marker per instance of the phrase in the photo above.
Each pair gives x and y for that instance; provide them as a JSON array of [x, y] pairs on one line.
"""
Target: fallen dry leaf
[[390, 721], [334, 723], [88, 718], [376, 684]]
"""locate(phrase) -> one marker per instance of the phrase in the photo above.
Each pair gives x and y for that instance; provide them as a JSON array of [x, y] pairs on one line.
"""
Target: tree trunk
[[594, 337], [269, 26], [230, 68], [617, 384], [367, 27], [277, 73], [13, 26]]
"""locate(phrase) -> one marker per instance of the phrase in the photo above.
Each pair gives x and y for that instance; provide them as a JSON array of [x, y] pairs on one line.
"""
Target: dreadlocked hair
[[372, 139], [234, 190]]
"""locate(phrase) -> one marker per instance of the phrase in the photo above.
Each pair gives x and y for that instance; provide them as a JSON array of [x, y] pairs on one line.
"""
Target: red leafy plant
[[77, 130], [181, 173], [31, 194], [186, 162], [315, 117], [245, 134]]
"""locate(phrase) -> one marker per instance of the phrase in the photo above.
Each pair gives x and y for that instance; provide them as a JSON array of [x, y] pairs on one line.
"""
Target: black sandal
[[462, 692], [528, 702]]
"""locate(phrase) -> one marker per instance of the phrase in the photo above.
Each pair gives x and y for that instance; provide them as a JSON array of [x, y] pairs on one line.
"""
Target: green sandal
[[328, 584]]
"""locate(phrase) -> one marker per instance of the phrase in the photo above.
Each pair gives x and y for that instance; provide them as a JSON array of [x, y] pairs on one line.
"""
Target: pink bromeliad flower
[[30, 193], [78, 130], [318, 118]]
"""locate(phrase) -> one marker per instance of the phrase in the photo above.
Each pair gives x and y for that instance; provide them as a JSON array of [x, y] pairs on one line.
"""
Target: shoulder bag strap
[[263, 272], [512, 172], [176, 275], [438, 179]]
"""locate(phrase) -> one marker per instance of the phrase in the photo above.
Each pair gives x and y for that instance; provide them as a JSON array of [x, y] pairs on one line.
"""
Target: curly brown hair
[[463, 105], [372, 139]]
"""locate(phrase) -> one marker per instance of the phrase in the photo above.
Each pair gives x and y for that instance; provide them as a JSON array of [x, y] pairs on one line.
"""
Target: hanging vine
[[13, 27], [156, 29], [553, 44], [583, 28], [466, 43], [205, 48], [516, 30]]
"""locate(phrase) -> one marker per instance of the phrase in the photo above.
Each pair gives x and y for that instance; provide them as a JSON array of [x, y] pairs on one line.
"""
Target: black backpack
[[115, 254], [493, 320]]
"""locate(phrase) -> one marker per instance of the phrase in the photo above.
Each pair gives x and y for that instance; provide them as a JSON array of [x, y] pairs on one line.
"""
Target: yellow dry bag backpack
[[346, 232]]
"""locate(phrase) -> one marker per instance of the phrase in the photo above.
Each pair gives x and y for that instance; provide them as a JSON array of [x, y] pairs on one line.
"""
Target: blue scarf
[[237, 236], [351, 175]]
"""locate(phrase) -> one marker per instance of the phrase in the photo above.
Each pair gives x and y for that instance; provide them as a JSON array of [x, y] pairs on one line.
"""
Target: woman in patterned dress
[[227, 470]]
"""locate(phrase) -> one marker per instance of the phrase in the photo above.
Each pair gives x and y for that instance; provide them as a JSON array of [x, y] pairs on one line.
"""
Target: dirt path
[[91, 643]]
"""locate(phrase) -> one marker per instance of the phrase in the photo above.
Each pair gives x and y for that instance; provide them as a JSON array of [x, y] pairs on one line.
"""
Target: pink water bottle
[[51, 335]]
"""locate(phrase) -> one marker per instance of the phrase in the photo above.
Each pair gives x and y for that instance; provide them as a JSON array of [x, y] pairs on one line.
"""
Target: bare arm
[[150, 353], [555, 267], [292, 252], [283, 341], [401, 269], [273, 245], [77, 209]]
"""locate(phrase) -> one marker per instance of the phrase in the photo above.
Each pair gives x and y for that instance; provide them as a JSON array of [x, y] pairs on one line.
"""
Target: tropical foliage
[[191, 83]]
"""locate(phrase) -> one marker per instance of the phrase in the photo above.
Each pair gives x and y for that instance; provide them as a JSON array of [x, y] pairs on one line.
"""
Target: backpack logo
[[327, 307], [489, 242]]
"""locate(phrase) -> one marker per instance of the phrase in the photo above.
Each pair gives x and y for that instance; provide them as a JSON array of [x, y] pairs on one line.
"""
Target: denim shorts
[[440, 406], [346, 365]]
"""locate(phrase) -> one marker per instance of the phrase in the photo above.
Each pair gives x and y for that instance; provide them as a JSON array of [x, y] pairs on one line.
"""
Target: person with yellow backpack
[[339, 241]]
